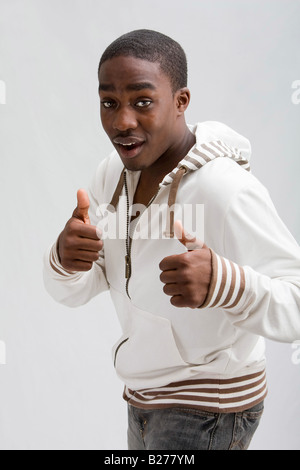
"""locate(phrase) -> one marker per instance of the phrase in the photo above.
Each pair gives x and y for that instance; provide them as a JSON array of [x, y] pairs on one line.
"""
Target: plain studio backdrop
[[58, 389]]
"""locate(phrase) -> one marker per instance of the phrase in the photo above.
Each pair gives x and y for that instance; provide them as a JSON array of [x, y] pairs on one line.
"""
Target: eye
[[143, 103], [107, 104]]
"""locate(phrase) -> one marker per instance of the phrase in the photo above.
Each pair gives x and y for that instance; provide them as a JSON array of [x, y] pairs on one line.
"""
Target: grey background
[[58, 389]]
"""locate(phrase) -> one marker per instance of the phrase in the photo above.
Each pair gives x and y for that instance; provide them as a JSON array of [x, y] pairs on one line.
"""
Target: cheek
[[160, 121], [105, 121]]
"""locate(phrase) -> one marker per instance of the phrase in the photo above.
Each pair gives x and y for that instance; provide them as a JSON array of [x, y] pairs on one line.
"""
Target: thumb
[[83, 204], [188, 240]]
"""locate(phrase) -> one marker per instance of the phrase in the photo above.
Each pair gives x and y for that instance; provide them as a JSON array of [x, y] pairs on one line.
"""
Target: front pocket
[[147, 354], [245, 427], [117, 349]]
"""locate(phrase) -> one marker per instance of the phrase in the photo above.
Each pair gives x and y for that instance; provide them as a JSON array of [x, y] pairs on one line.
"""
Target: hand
[[79, 243], [187, 276]]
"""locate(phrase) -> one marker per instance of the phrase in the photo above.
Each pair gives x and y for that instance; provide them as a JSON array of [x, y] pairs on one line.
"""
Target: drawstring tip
[[169, 235]]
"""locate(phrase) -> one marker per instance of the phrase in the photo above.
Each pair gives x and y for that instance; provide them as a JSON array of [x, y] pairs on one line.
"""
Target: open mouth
[[128, 147]]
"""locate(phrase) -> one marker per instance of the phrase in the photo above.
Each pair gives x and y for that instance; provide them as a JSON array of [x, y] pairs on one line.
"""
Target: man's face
[[138, 110]]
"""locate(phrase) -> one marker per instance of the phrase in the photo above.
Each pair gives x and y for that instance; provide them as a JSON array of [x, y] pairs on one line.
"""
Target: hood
[[213, 140]]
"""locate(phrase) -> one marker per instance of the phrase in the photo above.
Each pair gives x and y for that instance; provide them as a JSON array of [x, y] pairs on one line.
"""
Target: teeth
[[127, 145]]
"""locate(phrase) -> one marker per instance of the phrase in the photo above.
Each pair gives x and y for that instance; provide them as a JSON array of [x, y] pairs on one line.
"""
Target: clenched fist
[[79, 243], [187, 276]]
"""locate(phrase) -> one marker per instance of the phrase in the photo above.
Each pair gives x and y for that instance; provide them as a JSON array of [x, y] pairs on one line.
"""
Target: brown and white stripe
[[228, 284], [199, 155], [215, 395]]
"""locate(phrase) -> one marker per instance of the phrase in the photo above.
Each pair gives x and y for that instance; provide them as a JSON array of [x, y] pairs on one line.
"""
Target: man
[[193, 314]]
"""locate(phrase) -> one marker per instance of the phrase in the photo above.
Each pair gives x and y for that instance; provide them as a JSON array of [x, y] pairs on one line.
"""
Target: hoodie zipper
[[128, 269], [128, 241]]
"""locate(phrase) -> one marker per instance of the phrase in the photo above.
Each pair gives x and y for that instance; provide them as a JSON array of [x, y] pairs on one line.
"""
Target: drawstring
[[115, 199], [171, 200]]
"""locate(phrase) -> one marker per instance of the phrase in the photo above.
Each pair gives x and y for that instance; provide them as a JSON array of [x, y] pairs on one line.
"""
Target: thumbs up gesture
[[79, 243], [187, 276], [83, 204]]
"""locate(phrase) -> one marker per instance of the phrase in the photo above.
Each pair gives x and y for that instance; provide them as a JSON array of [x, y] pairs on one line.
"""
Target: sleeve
[[256, 280], [74, 289]]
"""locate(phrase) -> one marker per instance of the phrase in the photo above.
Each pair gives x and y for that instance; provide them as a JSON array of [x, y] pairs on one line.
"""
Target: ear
[[182, 98]]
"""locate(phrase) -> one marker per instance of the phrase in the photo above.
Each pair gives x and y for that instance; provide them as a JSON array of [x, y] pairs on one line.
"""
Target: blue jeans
[[190, 429]]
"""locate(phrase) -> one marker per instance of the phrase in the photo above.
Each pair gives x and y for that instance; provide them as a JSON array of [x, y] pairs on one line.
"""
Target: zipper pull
[[127, 267]]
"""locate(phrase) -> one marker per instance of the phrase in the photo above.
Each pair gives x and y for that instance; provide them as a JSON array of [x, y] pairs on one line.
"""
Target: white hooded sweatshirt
[[213, 357]]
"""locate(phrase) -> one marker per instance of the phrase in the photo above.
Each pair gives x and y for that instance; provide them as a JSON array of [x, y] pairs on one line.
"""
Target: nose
[[125, 119]]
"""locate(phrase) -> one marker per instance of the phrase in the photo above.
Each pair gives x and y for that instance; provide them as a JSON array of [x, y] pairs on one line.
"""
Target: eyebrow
[[131, 87]]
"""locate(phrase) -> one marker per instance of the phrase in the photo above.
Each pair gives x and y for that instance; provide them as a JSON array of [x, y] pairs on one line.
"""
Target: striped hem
[[227, 285], [214, 395]]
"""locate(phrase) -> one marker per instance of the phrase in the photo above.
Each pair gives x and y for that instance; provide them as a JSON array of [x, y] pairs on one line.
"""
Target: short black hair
[[155, 47]]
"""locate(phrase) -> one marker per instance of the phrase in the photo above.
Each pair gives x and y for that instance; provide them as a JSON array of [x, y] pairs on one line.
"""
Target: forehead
[[131, 72]]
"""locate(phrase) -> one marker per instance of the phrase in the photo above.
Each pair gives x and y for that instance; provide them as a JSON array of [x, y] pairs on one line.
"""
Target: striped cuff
[[55, 263], [227, 285]]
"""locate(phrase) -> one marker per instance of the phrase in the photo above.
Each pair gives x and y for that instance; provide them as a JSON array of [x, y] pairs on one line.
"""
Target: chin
[[134, 165]]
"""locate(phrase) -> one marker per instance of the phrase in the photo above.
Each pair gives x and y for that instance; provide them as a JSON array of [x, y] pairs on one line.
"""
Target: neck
[[170, 159]]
